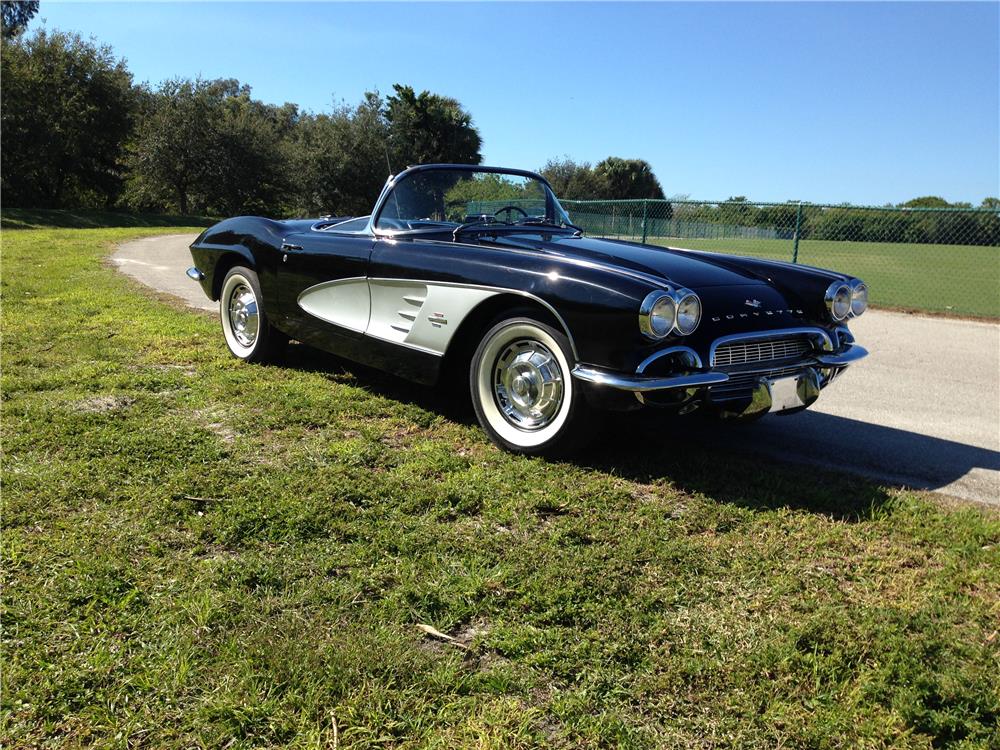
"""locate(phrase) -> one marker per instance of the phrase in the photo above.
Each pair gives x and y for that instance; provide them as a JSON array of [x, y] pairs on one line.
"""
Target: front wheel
[[523, 390], [249, 334]]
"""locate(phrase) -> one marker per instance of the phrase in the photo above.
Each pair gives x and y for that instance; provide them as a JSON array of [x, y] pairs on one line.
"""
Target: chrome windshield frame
[[394, 180]]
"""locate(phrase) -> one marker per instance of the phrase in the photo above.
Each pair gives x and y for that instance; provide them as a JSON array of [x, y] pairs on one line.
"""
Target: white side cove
[[421, 315], [345, 302]]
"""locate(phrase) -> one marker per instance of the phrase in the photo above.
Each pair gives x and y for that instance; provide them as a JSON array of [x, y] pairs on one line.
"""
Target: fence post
[[645, 213], [795, 237]]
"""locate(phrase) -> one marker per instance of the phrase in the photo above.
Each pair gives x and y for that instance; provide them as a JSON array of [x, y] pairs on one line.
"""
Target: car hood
[[678, 266]]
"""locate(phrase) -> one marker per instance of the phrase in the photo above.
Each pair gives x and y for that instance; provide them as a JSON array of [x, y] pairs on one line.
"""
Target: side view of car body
[[548, 324]]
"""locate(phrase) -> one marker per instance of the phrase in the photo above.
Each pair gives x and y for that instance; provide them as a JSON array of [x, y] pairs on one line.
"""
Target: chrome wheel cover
[[528, 384], [244, 318]]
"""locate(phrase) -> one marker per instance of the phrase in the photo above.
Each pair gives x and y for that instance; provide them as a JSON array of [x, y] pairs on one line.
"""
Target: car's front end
[[740, 351]]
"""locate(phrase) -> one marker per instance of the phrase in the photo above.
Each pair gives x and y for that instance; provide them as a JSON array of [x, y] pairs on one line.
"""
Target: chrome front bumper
[[704, 378]]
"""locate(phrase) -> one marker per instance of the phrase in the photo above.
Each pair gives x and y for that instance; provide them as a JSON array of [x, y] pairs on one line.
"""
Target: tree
[[340, 159], [429, 128], [247, 168], [628, 178], [209, 145], [66, 108], [927, 201], [15, 16], [571, 180], [169, 157]]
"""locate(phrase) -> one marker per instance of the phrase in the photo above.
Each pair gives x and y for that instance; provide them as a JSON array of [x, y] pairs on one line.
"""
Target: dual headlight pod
[[847, 299], [662, 312]]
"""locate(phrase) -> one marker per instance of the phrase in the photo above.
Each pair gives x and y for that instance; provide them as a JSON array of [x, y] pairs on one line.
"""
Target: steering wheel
[[510, 208]]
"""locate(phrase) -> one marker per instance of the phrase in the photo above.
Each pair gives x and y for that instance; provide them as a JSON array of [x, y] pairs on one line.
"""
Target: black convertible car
[[548, 324]]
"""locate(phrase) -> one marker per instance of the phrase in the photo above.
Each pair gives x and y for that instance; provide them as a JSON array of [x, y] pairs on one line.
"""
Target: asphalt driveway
[[922, 411]]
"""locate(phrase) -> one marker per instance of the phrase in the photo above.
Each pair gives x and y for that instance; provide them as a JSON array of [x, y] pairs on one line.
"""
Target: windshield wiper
[[544, 223], [493, 226], [486, 225]]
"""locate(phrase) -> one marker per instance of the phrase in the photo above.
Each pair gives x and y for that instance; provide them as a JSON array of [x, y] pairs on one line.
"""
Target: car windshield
[[451, 198]]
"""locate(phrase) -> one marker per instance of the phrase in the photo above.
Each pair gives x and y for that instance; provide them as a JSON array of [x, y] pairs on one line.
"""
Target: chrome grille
[[750, 351], [741, 384]]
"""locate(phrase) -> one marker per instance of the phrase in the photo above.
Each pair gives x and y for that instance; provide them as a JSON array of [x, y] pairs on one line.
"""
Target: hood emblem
[[754, 303]]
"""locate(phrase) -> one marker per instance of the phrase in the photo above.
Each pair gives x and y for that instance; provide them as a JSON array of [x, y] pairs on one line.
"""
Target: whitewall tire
[[247, 330], [523, 390]]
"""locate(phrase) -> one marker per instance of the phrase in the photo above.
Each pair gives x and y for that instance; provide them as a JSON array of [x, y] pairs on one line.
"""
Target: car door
[[323, 286]]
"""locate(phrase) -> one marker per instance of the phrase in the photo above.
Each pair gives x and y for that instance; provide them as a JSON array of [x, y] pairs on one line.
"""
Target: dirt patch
[[213, 420], [101, 404]]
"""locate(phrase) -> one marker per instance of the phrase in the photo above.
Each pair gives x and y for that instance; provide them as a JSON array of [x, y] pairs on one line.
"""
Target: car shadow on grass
[[813, 461]]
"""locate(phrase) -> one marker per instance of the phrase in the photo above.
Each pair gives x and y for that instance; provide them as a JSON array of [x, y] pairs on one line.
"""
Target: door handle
[[286, 248]]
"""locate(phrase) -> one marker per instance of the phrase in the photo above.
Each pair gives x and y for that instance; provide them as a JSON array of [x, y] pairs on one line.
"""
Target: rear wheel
[[523, 390], [248, 332]]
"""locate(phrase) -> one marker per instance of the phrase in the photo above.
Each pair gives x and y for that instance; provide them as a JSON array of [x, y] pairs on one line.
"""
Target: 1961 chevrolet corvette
[[550, 325]]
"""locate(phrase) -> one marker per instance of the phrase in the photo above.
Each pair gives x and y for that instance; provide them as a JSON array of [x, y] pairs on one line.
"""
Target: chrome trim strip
[[851, 354], [663, 353], [638, 384], [774, 333], [194, 274]]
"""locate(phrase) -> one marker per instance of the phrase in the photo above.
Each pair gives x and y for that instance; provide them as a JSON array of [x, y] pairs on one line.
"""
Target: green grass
[[200, 553], [957, 279], [40, 218]]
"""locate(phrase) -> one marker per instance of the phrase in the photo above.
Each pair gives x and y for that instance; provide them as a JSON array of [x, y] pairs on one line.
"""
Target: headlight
[[657, 315], [664, 312], [688, 313], [859, 297], [838, 300]]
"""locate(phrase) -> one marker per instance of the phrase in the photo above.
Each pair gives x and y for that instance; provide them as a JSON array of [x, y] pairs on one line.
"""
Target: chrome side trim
[[194, 274], [823, 336], [639, 384], [665, 352]]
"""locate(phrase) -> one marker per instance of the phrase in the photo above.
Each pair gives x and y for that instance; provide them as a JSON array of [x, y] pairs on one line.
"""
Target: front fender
[[252, 239], [597, 307]]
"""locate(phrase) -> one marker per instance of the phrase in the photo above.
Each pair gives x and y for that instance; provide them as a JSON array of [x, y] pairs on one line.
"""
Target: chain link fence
[[928, 259]]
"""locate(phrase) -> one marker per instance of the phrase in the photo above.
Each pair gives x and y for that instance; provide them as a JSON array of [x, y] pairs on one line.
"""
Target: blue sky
[[868, 103]]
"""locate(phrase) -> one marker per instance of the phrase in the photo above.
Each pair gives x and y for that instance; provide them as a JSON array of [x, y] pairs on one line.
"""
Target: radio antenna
[[385, 145]]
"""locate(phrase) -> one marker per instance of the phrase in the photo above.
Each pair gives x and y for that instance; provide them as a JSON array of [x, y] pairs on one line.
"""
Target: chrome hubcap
[[528, 384], [244, 319]]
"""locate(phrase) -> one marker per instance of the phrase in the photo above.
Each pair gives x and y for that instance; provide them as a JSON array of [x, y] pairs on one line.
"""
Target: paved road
[[922, 411]]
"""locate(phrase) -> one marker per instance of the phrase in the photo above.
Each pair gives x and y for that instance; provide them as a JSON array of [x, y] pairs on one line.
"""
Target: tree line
[[79, 133]]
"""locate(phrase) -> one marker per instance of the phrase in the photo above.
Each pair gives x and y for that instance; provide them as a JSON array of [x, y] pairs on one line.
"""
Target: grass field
[[956, 279], [43, 218], [200, 553]]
